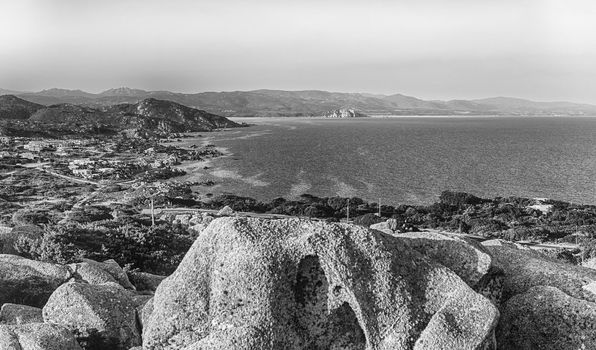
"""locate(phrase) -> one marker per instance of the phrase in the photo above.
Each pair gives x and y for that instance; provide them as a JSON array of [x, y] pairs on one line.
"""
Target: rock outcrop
[[144, 313], [526, 268], [296, 284], [91, 273], [468, 259], [37, 336], [144, 281], [345, 113], [20, 314], [111, 267], [29, 282], [103, 316], [546, 318], [547, 304]]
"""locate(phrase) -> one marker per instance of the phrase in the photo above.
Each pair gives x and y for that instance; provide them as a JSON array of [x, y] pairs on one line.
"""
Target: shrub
[[459, 199], [155, 249], [30, 217]]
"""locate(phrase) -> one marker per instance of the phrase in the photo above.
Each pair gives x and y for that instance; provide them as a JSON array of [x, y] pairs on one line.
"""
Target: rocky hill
[[149, 116], [250, 283], [344, 113], [169, 115], [68, 113], [310, 102], [12, 107]]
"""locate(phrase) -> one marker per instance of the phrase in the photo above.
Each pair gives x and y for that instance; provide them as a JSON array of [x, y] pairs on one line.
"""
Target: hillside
[[165, 116], [12, 107], [274, 103], [149, 116]]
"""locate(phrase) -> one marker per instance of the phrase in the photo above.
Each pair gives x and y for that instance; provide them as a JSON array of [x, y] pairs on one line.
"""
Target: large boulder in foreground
[[546, 318], [29, 282], [526, 268], [102, 315], [468, 259], [20, 314], [37, 336], [548, 304], [251, 283], [144, 281], [111, 266], [91, 273]]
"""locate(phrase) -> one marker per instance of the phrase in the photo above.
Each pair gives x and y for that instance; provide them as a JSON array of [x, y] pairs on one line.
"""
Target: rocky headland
[[344, 113], [149, 117]]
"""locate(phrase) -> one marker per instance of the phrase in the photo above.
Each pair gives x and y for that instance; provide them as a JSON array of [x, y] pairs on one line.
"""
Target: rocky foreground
[[251, 283]]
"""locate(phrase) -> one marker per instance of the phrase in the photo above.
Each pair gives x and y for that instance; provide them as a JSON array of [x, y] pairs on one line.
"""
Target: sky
[[433, 49]]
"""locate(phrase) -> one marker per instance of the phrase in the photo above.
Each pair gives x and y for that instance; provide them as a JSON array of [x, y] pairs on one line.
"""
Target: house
[[86, 173], [77, 163], [63, 151], [106, 170], [37, 146], [29, 155]]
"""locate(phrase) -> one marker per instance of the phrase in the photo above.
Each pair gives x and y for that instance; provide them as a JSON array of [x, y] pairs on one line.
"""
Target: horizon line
[[13, 92]]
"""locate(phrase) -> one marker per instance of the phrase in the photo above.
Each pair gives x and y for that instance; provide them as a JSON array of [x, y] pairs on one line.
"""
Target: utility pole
[[379, 207], [152, 213], [348, 211]]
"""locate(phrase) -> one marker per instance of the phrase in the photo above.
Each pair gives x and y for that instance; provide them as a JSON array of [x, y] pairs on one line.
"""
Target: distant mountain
[[517, 104], [9, 92], [123, 91], [344, 113], [269, 103], [59, 93], [12, 107], [148, 117]]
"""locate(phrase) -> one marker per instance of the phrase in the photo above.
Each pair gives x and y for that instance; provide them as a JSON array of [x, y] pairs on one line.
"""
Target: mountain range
[[268, 103]]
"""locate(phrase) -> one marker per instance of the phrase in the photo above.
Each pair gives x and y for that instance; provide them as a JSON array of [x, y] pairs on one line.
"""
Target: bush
[[156, 249], [30, 217], [459, 199], [90, 214], [368, 219]]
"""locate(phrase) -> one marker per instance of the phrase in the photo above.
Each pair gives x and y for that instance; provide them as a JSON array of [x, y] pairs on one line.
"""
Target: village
[[102, 159]]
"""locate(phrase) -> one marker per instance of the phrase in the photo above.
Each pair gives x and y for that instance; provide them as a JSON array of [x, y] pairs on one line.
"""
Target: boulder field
[[250, 283]]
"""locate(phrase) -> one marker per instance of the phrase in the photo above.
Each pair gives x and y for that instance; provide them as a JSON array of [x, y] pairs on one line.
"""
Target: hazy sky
[[432, 49]]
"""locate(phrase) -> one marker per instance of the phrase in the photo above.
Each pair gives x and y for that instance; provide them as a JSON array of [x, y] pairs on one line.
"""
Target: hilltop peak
[[57, 92], [123, 91]]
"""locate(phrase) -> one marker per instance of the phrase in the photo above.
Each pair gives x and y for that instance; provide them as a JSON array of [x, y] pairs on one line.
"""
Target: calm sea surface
[[409, 160]]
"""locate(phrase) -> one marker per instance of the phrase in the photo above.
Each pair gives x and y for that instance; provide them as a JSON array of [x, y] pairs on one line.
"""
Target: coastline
[[252, 157]]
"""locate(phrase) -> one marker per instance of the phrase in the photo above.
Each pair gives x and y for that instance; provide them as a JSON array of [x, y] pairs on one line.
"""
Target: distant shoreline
[[399, 116]]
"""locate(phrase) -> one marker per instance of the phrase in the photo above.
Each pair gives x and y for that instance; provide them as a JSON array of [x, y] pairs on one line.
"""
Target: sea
[[407, 160]]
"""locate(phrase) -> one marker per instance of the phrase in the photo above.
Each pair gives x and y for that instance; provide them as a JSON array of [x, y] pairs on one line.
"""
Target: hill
[[12, 107], [150, 116]]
